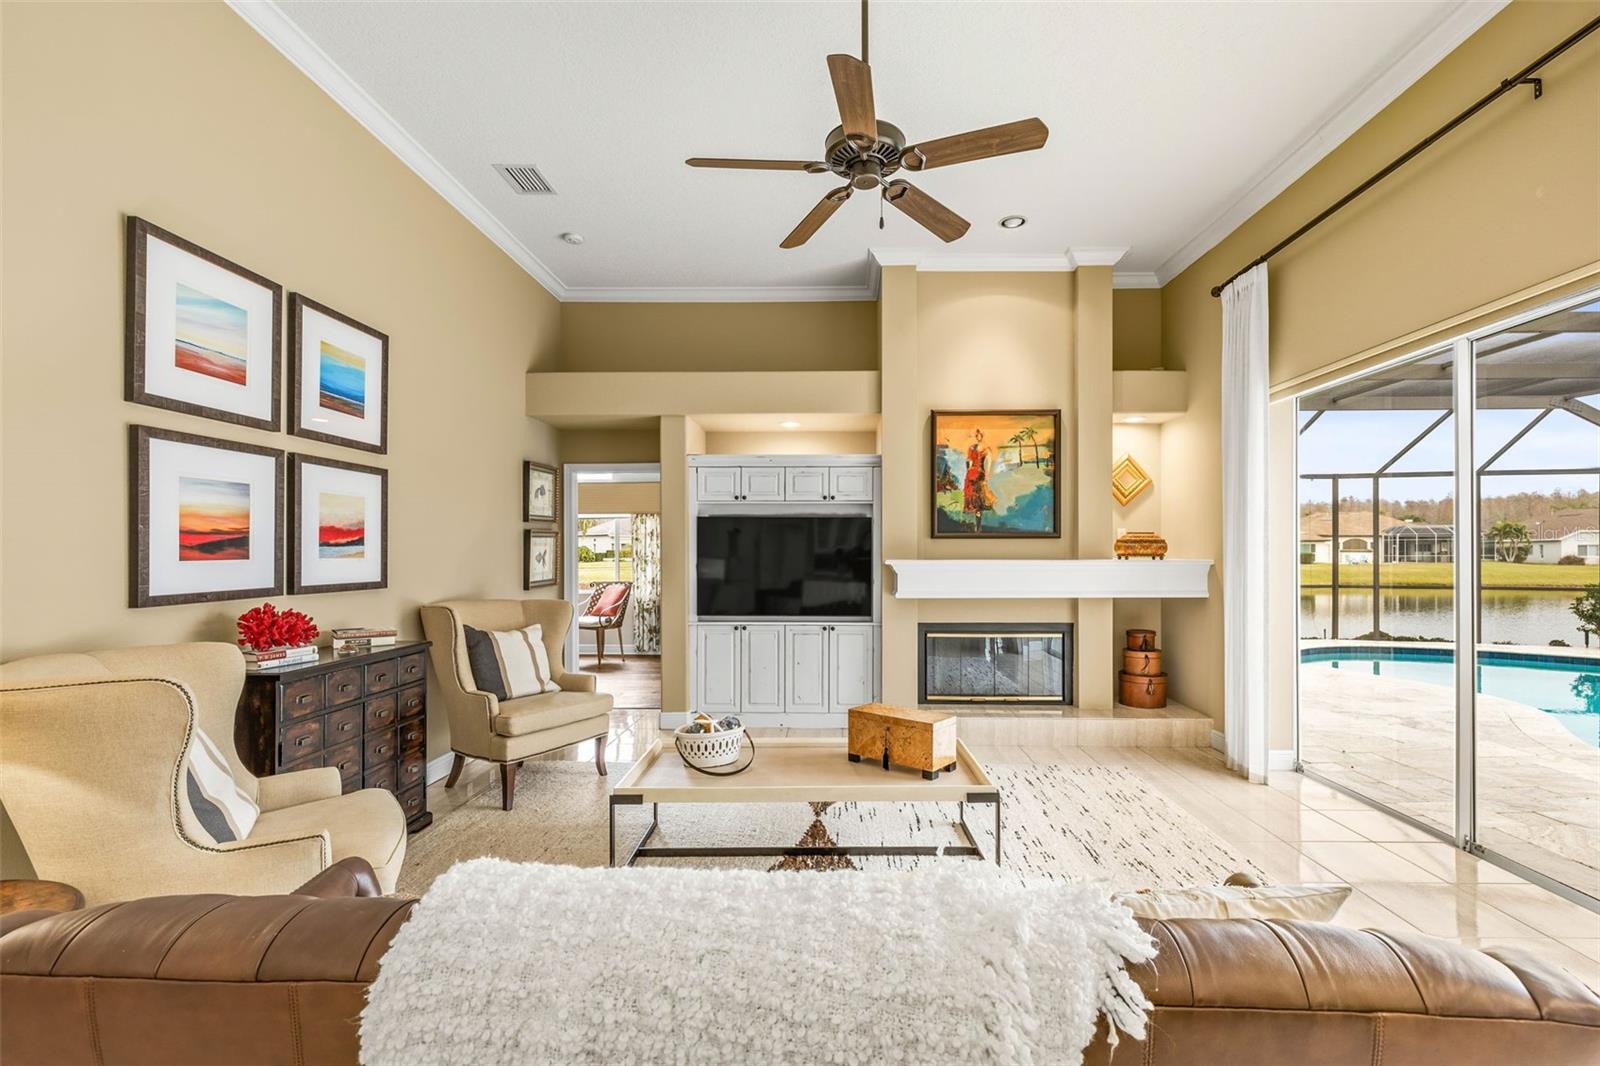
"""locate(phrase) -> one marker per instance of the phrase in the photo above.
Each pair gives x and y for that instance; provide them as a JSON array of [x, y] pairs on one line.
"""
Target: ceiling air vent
[[526, 180]]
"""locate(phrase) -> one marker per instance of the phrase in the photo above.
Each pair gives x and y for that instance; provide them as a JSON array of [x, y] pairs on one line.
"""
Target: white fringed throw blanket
[[518, 964]]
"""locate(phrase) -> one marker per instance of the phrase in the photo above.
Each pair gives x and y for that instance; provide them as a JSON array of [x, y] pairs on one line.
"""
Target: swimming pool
[[1565, 687]]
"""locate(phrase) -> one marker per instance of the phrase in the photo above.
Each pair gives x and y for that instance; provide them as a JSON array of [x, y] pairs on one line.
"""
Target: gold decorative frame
[[1128, 480]]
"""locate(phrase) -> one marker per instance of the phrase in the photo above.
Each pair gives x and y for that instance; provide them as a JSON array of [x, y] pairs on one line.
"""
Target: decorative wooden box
[[366, 715], [903, 736], [1140, 546]]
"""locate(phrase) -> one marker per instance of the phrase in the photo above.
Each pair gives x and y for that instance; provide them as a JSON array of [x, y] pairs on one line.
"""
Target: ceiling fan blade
[[852, 87], [810, 167], [816, 217], [927, 212], [1022, 136]]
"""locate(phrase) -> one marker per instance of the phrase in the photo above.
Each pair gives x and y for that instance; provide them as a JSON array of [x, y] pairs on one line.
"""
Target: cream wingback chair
[[511, 731], [92, 773]]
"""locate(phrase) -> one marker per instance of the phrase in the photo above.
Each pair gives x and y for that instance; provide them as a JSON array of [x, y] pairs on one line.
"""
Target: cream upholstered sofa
[[509, 732], [92, 766]]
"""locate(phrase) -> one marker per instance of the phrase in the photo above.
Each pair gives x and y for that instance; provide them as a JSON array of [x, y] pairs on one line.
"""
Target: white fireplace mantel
[[1049, 579]]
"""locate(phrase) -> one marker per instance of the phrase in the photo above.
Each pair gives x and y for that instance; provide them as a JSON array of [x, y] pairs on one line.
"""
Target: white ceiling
[[1170, 122]]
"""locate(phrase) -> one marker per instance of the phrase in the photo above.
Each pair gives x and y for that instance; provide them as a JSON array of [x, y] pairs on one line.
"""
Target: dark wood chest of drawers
[[365, 715]]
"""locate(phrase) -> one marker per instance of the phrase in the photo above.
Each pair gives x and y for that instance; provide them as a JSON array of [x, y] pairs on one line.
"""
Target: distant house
[[1418, 542], [600, 538], [1584, 543], [1355, 536]]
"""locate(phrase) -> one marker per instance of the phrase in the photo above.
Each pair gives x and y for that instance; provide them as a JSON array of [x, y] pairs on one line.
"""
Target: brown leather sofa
[[282, 979]]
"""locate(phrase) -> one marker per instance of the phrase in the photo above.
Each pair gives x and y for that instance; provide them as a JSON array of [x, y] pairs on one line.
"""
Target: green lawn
[[604, 570], [1493, 575]]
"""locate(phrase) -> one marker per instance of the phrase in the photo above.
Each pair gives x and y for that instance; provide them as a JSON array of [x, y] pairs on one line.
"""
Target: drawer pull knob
[[344, 727], [303, 698], [346, 687], [299, 741], [383, 749]]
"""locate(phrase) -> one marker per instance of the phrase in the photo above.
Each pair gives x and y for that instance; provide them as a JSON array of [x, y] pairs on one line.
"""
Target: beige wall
[[795, 442], [182, 114], [1506, 202], [611, 445], [1136, 345], [970, 341], [727, 336], [619, 497], [681, 437]]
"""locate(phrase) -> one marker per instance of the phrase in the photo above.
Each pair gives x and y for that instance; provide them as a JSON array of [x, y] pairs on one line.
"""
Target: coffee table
[[798, 770]]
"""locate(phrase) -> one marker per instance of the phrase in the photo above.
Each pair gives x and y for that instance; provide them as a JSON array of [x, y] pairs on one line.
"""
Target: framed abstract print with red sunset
[[206, 519], [202, 334], [339, 515]]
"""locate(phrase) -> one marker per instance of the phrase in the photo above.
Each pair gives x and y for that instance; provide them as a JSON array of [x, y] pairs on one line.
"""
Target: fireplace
[[1028, 664]]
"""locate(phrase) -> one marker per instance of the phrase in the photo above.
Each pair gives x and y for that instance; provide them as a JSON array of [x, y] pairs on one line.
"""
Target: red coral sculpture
[[264, 627]]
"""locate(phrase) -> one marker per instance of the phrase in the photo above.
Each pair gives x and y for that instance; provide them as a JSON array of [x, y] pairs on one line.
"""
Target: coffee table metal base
[[642, 850]]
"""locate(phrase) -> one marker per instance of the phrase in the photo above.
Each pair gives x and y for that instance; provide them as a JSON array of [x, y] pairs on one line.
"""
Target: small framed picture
[[338, 378], [541, 493], [202, 334], [206, 519], [339, 514], [541, 558]]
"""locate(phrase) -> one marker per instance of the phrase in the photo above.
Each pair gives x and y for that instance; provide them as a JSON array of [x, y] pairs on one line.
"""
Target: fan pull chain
[[881, 199]]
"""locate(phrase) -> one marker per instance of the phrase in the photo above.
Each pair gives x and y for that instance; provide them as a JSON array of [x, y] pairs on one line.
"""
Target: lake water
[[1517, 617]]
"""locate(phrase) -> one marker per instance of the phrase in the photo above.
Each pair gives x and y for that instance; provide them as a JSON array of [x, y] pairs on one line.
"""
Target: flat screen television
[[750, 566]]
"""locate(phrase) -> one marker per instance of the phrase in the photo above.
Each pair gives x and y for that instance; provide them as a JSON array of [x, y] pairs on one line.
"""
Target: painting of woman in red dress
[[994, 474], [975, 495]]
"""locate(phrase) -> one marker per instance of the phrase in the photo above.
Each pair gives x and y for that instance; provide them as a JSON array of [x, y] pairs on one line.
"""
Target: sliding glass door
[[1445, 664]]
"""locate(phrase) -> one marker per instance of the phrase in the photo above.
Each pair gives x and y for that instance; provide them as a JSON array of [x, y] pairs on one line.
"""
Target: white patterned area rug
[[1078, 823]]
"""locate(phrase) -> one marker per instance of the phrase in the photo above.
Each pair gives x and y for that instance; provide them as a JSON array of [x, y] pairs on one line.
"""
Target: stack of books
[[275, 658], [360, 639]]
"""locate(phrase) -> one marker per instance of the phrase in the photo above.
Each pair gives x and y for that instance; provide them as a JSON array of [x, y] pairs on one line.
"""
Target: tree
[[1025, 436], [1587, 608], [1511, 540]]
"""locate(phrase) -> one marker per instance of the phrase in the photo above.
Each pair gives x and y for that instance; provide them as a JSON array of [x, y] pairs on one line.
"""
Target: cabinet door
[[762, 483], [717, 669], [761, 649], [852, 666], [806, 483], [717, 483], [807, 664], [853, 483]]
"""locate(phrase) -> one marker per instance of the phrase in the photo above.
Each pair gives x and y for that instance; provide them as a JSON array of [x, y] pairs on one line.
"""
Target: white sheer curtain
[[1244, 522]]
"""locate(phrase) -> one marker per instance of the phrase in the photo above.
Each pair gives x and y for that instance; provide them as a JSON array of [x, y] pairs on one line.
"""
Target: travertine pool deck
[[1394, 741]]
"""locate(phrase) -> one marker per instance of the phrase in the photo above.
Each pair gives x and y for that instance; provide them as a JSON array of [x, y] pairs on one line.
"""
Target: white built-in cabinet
[[795, 670], [783, 669], [781, 484]]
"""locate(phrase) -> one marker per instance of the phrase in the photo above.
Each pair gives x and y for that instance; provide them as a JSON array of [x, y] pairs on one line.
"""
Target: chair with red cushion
[[607, 607]]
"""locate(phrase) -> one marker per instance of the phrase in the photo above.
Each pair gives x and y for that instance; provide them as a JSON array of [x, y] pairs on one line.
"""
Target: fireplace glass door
[[1022, 664]]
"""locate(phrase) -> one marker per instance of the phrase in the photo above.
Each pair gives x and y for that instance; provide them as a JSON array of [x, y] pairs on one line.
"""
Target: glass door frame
[[1467, 484]]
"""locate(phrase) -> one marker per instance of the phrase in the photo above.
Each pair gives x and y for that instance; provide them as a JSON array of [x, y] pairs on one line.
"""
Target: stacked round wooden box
[[1142, 682]]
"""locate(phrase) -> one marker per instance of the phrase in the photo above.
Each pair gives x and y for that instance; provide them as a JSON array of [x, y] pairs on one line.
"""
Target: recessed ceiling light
[[789, 424], [572, 238], [1013, 222], [1134, 418]]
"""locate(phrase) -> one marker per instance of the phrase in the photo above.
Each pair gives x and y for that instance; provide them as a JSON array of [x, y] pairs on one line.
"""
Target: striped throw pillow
[[224, 811], [510, 663]]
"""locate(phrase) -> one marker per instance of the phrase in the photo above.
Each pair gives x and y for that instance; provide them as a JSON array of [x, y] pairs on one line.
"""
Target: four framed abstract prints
[[204, 337], [202, 333], [339, 515], [994, 474], [338, 378], [207, 519]]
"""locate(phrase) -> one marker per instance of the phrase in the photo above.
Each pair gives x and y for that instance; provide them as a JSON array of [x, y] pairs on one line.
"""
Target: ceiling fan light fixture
[[1013, 222]]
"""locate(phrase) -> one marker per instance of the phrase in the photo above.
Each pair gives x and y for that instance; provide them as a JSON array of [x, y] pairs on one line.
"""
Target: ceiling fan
[[866, 151]]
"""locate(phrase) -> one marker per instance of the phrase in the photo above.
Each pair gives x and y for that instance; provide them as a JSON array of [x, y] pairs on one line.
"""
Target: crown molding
[[1462, 22], [267, 19], [1070, 260], [751, 294]]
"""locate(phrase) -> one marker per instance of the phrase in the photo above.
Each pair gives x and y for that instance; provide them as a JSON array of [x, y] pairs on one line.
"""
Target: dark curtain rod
[[1521, 77]]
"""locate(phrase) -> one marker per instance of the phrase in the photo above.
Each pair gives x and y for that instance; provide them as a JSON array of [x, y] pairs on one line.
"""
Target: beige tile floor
[[1293, 828]]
